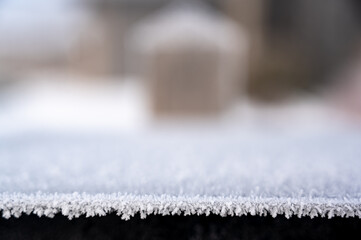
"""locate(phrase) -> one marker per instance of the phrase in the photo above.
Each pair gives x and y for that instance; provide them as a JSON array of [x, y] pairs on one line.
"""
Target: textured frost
[[170, 173], [126, 206]]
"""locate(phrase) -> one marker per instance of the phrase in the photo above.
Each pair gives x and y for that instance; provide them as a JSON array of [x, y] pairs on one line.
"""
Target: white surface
[[177, 172], [68, 150], [73, 104], [189, 22]]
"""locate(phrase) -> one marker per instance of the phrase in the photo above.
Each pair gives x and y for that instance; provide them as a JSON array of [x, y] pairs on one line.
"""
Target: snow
[[293, 160], [126, 206], [228, 173], [193, 22]]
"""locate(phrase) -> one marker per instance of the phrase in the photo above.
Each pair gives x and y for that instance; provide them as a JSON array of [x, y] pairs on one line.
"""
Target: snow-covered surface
[[302, 166], [188, 22], [65, 103], [182, 172]]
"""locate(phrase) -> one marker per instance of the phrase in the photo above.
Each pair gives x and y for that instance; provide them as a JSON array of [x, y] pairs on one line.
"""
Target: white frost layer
[[192, 172], [126, 206]]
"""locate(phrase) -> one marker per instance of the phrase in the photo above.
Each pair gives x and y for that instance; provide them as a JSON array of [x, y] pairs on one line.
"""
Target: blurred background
[[128, 64]]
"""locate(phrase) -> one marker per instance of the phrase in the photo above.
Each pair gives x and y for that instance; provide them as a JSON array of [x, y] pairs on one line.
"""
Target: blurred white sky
[[39, 27]]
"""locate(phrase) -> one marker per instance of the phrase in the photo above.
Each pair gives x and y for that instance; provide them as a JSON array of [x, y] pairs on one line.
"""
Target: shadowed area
[[178, 227]]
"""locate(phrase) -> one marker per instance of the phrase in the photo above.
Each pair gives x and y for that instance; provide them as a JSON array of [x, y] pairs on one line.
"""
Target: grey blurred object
[[194, 59], [115, 19], [296, 44], [6, 81], [345, 93]]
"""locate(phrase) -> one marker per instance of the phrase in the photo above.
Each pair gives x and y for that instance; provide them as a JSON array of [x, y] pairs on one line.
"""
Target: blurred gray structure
[[296, 44], [195, 58]]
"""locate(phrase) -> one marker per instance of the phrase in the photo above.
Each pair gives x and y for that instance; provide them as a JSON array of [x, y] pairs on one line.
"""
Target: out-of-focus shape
[[91, 52], [295, 44], [101, 49], [346, 90], [195, 59], [38, 34]]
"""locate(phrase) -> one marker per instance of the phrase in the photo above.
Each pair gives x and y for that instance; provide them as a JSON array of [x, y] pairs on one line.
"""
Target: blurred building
[[194, 58]]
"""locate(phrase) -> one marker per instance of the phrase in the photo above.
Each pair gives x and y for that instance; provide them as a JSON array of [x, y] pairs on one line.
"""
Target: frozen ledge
[[127, 205]]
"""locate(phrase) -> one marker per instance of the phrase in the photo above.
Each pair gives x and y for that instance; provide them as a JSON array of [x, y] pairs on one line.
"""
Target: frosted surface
[[230, 167]]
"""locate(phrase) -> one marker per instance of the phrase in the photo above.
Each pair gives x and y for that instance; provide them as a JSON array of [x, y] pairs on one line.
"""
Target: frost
[[226, 174], [126, 206]]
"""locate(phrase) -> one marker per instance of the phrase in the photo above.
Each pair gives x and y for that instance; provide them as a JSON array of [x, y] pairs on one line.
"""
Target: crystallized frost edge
[[127, 205]]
